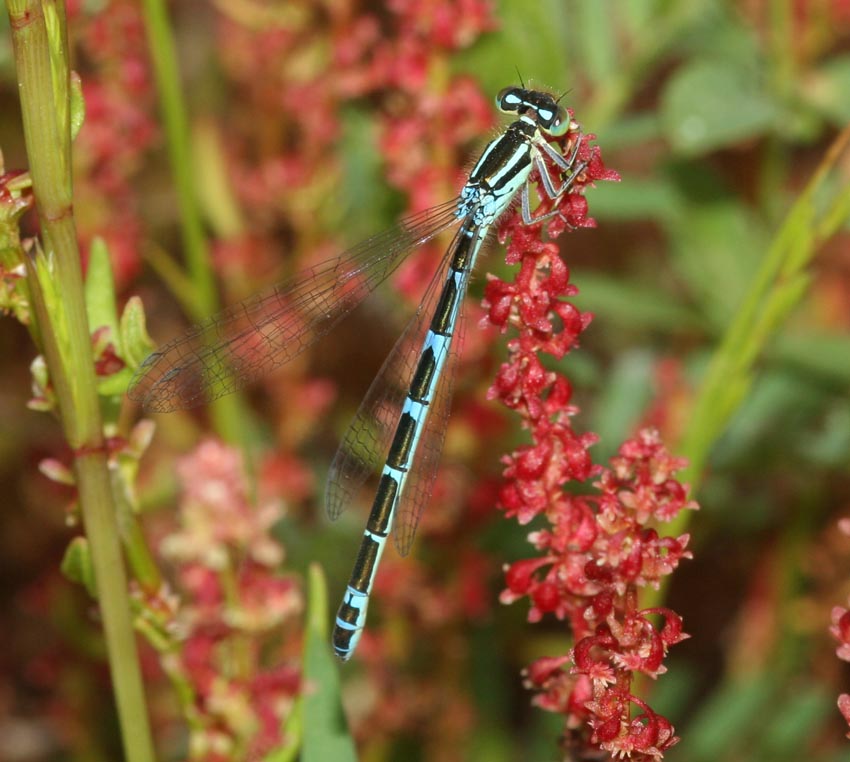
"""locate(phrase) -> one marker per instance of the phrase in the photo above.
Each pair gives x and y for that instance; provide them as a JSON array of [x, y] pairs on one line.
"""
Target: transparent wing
[[366, 442], [249, 340]]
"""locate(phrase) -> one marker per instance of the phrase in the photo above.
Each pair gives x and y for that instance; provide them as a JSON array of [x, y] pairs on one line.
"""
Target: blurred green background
[[716, 115]]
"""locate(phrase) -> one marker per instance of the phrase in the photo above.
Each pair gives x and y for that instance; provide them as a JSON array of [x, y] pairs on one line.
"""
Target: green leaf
[[633, 199], [531, 38], [101, 306], [638, 15], [326, 735], [54, 24], [136, 345], [78, 105], [711, 104], [57, 471], [77, 565], [216, 194], [629, 131], [292, 732], [787, 295], [115, 384], [42, 395], [824, 354], [826, 90], [367, 202], [775, 397], [622, 400], [792, 723], [48, 291], [828, 444], [597, 38], [638, 305], [728, 717], [717, 27], [717, 245]]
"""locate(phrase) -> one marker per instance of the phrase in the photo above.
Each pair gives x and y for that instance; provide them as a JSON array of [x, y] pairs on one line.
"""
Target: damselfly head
[[551, 118]]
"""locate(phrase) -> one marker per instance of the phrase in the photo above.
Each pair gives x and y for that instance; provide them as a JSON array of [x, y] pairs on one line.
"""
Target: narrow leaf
[[136, 345], [326, 735], [100, 292], [77, 565]]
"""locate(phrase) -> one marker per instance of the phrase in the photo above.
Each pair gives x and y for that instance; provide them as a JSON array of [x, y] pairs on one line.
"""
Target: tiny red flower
[[844, 708]]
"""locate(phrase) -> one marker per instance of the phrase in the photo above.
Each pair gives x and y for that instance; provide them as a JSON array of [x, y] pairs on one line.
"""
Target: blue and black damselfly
[[400, 431]]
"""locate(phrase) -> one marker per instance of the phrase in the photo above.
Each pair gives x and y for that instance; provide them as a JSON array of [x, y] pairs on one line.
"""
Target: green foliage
[[829, 89], [78, 105], [710, 104], [325, 732], [77, 565], [756, 718], [714, 254], [101, 307], [135, 342]]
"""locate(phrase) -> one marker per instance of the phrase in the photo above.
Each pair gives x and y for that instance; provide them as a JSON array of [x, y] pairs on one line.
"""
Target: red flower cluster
[[233, 601], [840, 630], [118, 131], [600, 547], [15, 200], [430, 118]]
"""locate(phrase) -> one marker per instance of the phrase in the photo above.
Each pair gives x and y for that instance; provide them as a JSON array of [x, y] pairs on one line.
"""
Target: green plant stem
[[203, 300], [59, 307], [197, 293], [102, 531], [777, 288]]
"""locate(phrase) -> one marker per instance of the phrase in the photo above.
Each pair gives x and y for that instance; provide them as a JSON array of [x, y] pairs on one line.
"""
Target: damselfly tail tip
[[343, 643], [348, 626]]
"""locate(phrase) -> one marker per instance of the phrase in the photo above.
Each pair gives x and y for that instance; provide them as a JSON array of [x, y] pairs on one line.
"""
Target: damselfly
[[403, 430]]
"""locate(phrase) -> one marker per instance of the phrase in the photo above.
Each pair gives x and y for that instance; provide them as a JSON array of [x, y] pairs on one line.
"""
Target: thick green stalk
[[59, 307]]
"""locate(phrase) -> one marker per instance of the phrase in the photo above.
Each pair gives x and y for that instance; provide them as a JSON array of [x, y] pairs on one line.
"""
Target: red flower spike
[[599, 548]]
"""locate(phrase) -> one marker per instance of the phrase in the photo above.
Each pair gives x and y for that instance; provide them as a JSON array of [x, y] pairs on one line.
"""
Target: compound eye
[[560, 124], [509, 100]]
